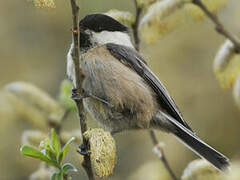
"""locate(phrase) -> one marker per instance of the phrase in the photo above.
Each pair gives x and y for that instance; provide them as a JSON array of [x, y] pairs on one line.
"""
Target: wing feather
[[134, 60]]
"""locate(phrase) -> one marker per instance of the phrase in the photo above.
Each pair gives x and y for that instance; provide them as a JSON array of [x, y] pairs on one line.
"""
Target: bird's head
[[99, 29]]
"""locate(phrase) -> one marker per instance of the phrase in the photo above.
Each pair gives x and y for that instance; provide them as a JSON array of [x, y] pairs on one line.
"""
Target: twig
[[219, 26], [151, 132], [160, 153], [76, 57], [135, 26]]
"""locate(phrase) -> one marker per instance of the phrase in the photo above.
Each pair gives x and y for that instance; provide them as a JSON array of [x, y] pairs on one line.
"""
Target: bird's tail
[[196, 144]]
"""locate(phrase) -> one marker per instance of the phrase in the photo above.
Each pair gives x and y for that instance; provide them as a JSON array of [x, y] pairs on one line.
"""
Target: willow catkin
[[46, 4], [124, 17], [38, 99], [213, 5], [161, 18], [201, 169], [226, 65], [103, 151]]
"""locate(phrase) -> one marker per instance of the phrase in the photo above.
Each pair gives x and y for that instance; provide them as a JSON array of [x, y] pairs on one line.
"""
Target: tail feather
[[202, 149]]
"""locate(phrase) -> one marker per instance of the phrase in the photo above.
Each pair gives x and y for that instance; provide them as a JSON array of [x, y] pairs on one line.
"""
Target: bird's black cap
[[101, 22]]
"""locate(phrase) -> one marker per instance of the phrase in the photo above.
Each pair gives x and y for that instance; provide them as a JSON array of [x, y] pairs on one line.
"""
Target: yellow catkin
[[144, 3], [33, 137], [103, 151], [121, 16], [213, 5], [37, 98], [228, 76], [47, 4], [161, 18], [226, 65]]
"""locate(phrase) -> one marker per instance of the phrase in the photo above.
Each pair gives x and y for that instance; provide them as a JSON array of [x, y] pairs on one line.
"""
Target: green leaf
[[57, 176], [68, 167], [65, 150], [55, 142], [64, 96], [51, 154], [32, 152]]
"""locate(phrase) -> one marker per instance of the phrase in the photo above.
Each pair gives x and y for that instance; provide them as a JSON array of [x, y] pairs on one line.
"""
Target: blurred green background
[[33, 48]]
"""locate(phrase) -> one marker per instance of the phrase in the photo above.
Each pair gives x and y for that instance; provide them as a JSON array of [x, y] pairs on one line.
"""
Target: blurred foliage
[[44, 172], [38, 99], [51, 153], [121, 16], [153, 170], [200, 169], [227, 65], [64, 96], [212, 5]]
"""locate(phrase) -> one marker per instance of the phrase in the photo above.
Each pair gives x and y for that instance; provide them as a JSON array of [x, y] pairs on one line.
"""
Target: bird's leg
[[77, 97]]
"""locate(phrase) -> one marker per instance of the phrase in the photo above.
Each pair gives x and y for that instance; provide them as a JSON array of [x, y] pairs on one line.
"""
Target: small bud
[[158, 149], [33, 137], [121, 16], [213, 5], [200, 169], [153, 170], [161, 18], [227, 65], [103, 151]]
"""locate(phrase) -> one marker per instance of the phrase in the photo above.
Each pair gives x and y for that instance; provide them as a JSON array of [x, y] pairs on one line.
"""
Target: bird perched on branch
[[120, 90]]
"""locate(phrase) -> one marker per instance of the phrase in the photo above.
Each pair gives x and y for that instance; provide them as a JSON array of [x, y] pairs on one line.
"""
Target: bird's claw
[[83, 150]]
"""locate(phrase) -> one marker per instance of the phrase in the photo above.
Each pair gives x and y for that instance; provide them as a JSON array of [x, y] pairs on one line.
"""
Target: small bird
[[122, 93]]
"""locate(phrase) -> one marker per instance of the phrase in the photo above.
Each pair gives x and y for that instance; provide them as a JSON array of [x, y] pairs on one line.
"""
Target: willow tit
[[125, 93]]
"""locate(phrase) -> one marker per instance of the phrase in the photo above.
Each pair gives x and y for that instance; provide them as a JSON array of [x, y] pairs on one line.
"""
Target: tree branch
[[160, 153], [219, 26], [159, 150], [135, 26], [79, 79]]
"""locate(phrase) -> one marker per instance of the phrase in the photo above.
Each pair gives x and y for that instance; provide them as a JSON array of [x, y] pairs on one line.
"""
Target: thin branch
[[76, 57], [219, 26], [160, 152], [135, 26]]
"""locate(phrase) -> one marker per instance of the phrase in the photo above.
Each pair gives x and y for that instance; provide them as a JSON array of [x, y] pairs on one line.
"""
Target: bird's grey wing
[[135, 61]]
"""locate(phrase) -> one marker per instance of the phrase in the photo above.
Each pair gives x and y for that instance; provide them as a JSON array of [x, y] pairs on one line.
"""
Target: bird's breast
[[109, 79]]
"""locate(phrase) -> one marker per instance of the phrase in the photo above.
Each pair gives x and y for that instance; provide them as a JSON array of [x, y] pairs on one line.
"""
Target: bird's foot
[[83, 150], [76, 96]]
